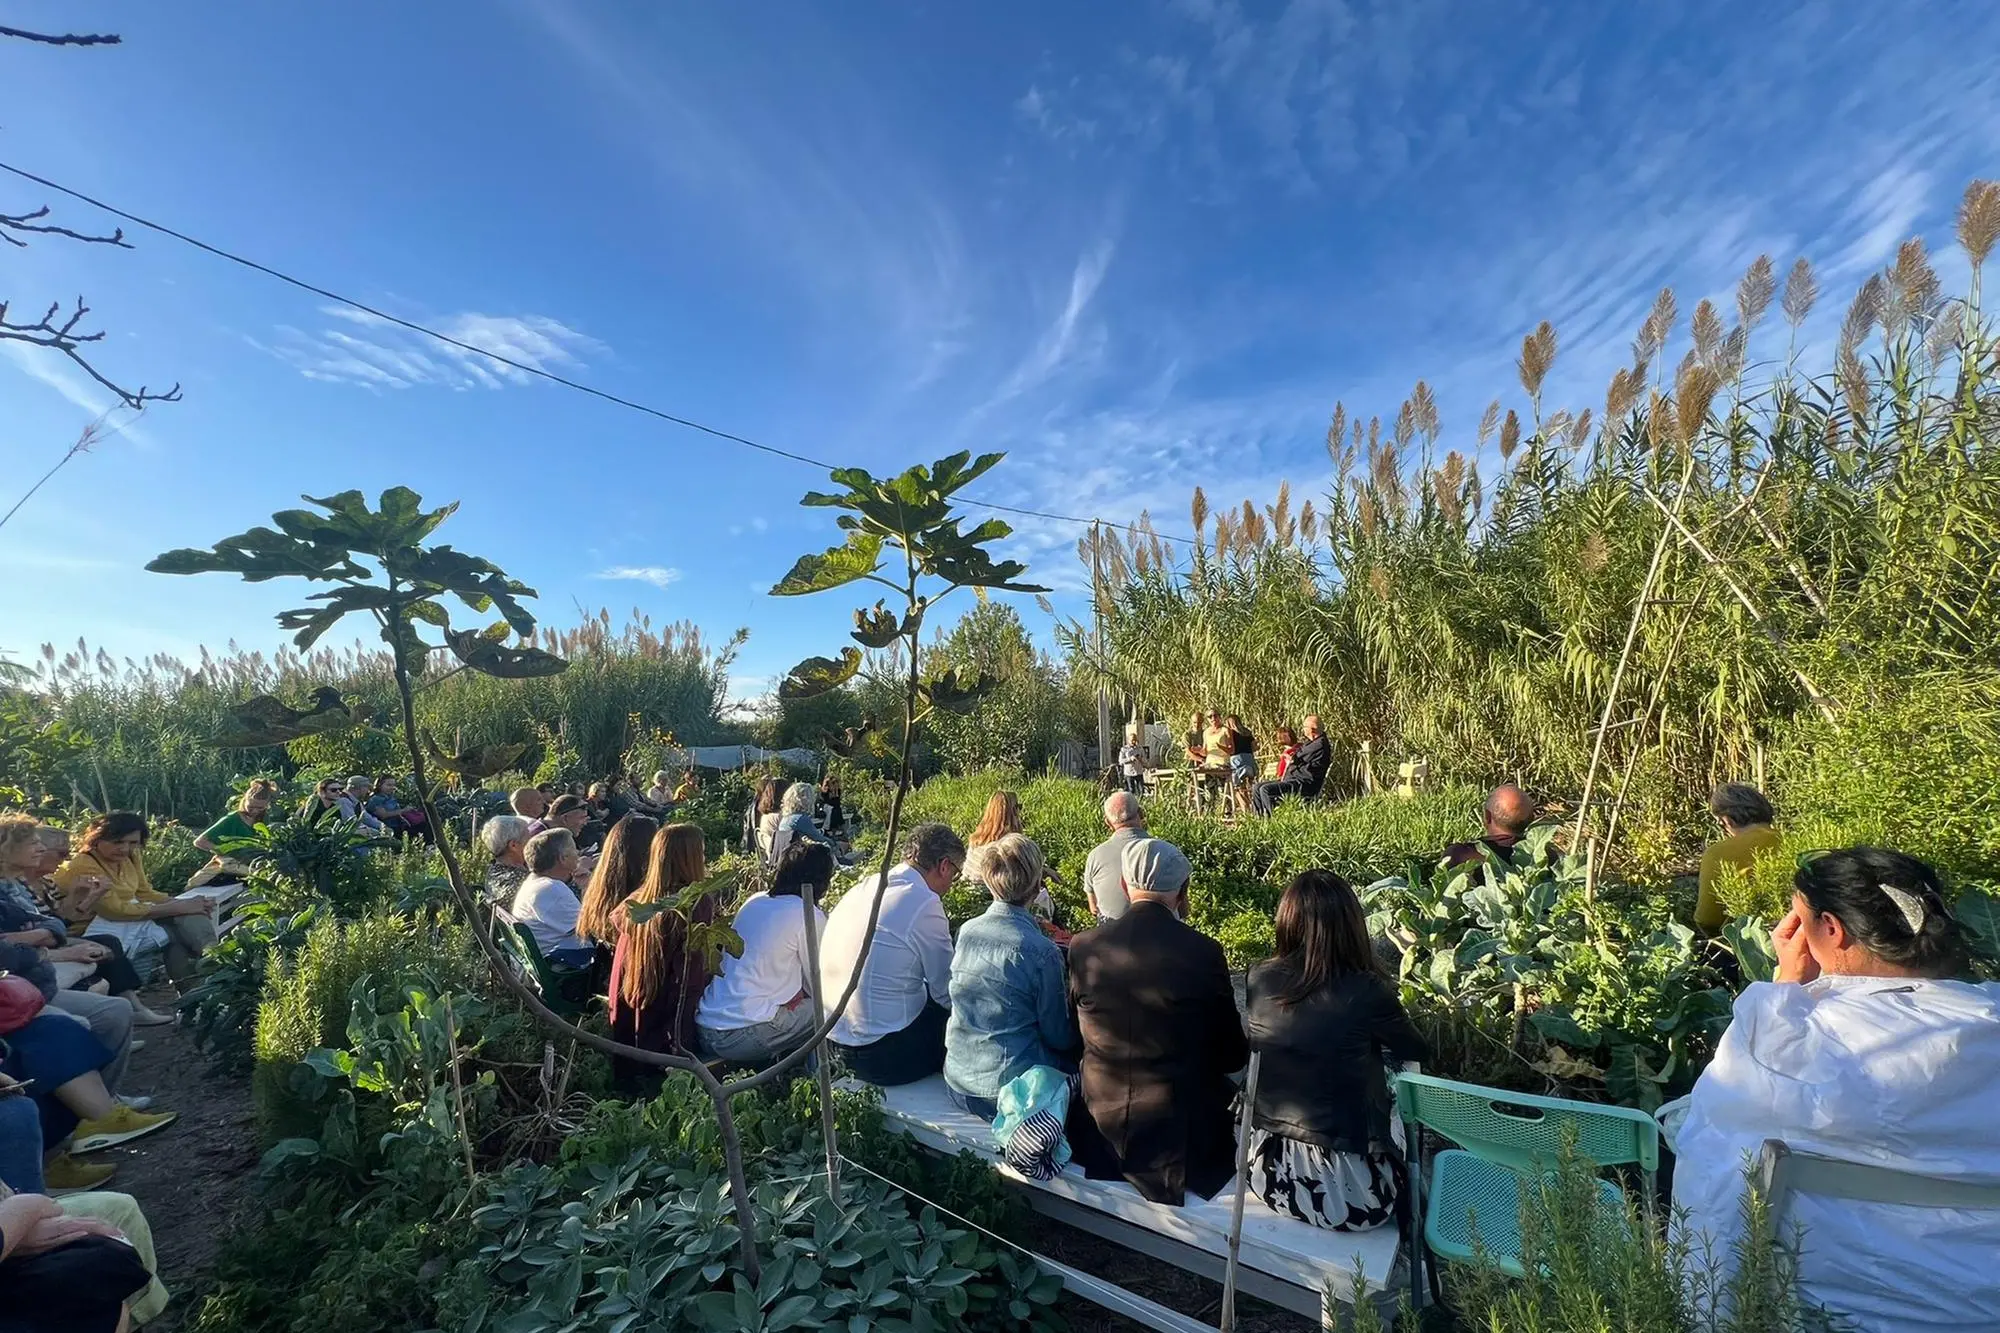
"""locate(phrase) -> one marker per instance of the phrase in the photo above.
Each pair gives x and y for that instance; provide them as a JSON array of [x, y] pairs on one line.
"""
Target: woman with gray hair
[[506, 840], [1009, 1002], [795, 821]]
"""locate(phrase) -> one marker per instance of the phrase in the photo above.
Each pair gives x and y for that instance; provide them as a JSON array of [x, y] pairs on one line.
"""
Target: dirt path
[[1156, 1280], [193, 1177]]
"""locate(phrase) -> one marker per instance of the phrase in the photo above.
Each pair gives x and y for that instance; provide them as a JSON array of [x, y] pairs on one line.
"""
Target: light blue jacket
[[1009, 1003]]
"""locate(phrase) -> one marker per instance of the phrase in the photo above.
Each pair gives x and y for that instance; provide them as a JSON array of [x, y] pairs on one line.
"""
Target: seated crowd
[[1119, 1047], [79, 935], [82, 931], [1129, 1040], [1130, 1037]]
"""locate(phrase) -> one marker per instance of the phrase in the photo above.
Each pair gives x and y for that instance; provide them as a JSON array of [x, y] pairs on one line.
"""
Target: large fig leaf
[[817, 675], [877, 628], [480, 651], [955, 694], [840, 565], [258, 555]]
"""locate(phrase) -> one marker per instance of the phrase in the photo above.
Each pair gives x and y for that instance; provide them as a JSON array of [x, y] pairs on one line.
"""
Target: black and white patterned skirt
[[1337, 1191]]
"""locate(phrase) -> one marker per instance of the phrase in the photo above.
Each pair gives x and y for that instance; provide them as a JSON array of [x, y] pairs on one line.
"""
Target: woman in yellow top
[[130, 908], [1746, 818]]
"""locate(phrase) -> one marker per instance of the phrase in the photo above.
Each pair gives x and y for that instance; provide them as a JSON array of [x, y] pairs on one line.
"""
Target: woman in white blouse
[[1866, 1048], [759, 1008]]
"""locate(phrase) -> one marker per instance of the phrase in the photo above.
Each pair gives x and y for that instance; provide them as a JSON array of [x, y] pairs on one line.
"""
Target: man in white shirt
[[547, 905], [892, 1030]]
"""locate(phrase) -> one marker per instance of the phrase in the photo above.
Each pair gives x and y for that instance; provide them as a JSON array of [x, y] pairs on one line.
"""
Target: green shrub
[[221, 1011], [652, 1243], [324, 1265], [171, 856], [718, 806], [1589, 1270], [1911, 764], [307, 997]]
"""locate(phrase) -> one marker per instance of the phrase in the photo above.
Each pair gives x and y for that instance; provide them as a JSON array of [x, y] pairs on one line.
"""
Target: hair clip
[[1911, 906]]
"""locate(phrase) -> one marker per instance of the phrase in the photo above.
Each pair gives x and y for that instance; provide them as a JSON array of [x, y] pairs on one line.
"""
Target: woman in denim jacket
[[1009, 1001]]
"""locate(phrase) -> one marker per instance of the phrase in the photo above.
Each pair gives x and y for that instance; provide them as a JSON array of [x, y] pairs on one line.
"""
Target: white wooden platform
[[1282, 1261]]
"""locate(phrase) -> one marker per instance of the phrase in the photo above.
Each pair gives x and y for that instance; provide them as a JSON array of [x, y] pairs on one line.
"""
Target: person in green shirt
[[252, 808], [1746, 818]]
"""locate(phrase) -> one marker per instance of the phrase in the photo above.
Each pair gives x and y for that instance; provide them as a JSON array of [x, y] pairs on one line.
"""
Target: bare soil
[[193, 1178], [1157, 1281]]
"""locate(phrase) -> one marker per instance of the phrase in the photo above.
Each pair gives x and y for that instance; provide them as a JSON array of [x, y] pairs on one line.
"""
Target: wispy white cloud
[[367, 350], [660, 576], [1572, 188], [756, 523], [1070, 342], [53, 372]]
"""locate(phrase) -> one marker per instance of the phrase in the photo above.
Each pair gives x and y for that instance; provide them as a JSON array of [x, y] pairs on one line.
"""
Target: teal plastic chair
[[1505, 1139], [564, 990]]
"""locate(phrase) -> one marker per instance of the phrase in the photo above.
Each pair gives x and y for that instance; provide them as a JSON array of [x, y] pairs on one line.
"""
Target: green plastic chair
[[1505, 1139], [562, 989]]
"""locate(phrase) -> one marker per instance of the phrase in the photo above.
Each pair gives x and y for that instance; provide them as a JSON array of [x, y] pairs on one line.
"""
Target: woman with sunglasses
[[1871, 1045]]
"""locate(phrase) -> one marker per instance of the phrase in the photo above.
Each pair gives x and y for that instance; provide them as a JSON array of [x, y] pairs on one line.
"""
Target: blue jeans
[[21, 1144], [983, 1107]]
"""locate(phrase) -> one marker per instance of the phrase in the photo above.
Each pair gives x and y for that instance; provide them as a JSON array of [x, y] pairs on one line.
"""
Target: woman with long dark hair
[[758, 1009], [1323, 1146], [656, 983], [1871, 1044], [621, 869]]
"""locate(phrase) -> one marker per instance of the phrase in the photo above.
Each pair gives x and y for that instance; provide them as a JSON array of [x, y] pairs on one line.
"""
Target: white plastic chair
[[1783, 1172]]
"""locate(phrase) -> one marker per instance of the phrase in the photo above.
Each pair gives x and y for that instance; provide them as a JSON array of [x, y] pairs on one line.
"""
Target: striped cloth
[[1029, 1126]]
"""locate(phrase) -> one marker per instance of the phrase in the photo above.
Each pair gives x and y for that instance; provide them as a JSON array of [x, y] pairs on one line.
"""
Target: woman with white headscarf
[[1866, 1048]]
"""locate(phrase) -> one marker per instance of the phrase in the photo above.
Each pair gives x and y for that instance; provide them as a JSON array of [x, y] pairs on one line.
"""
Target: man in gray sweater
[[1103, 874]]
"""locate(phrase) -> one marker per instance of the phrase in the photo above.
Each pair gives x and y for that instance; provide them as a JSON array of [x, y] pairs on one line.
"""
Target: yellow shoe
[[65, 1175], [122, 1126]]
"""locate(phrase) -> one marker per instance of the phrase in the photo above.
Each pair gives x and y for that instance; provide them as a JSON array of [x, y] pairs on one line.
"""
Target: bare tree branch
[[31, 222], [64, 38], [65, 338]]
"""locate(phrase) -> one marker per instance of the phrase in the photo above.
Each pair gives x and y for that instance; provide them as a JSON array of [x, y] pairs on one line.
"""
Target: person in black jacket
[[1304, 775], [1508, 814], [1322, 1146], [1161, 1036]]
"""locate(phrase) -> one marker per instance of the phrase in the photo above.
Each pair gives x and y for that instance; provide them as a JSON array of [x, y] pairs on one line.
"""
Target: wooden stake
[[1242, 1188], [822, 1073]]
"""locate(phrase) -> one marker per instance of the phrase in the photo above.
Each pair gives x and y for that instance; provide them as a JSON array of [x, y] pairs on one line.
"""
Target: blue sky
[[1137, 246]]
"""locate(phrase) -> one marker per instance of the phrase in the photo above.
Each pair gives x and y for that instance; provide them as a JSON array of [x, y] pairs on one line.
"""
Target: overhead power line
[[523, 367]]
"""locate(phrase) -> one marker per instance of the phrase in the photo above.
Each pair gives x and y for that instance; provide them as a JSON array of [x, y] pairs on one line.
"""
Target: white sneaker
[[138, 1043], [136, 1103], [149, 1018]]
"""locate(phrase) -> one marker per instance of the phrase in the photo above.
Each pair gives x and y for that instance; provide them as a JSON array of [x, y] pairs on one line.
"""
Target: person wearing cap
[[1161, 1035], [573, 813], [353, 802]]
